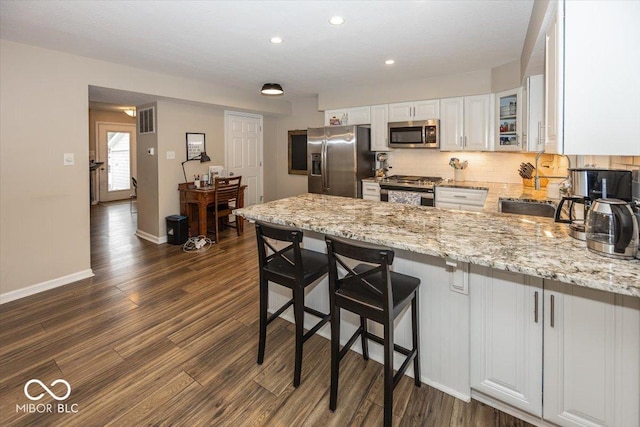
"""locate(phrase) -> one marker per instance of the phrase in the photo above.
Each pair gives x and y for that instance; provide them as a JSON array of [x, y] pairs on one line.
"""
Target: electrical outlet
[[171, 155]]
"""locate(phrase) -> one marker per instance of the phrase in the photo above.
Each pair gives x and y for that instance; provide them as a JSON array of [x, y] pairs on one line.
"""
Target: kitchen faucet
[[537, 177]]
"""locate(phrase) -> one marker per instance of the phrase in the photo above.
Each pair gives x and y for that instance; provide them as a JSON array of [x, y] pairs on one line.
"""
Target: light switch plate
[[171, 155], [69, 159]]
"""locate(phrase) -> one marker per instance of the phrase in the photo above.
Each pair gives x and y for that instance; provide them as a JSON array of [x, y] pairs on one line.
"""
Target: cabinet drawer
[[371, 189], [462, 196]]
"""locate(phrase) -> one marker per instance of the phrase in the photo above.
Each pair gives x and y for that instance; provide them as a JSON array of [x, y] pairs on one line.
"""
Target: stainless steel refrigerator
[[338, 158]]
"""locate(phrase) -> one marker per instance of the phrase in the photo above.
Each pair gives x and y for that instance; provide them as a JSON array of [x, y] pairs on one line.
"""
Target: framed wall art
[[195, 145]]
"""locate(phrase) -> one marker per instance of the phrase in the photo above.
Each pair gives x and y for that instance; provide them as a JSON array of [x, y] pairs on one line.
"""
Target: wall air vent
[[147, 120]]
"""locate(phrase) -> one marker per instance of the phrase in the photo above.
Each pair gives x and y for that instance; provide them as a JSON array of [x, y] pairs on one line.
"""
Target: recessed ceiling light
[[336, 20], [276, 40], [389, 62]]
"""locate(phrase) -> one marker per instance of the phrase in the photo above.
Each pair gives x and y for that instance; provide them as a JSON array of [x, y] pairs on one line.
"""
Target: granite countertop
[[534, 246]]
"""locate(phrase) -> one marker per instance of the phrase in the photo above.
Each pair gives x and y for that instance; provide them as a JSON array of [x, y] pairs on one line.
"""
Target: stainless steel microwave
[[416, 134]]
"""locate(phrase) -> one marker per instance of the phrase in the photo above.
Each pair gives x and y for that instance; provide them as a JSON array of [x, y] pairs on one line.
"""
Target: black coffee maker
[[588, 185]]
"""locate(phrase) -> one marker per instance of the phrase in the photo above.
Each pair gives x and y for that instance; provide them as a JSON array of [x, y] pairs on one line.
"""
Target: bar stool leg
[[388, 372], [363, 336], [335, 356], [298, 313], [264, 299], [416, 344]]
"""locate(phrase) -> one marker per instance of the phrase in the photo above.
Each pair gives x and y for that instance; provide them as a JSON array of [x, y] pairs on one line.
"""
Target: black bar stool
[[293, 267], [373, 292]]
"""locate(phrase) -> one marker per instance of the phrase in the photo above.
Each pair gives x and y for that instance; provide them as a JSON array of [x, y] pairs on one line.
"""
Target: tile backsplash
[[496, 167], [490, 167]]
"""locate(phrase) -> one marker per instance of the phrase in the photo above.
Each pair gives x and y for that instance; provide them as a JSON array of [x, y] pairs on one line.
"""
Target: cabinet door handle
[[464, 143], [535, 307], [553, 310]]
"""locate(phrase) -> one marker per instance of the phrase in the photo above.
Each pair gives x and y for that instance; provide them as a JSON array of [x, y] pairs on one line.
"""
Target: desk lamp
[[203, 158]]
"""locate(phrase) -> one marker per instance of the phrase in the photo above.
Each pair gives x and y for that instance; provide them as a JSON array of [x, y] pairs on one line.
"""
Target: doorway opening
[[116, 147]]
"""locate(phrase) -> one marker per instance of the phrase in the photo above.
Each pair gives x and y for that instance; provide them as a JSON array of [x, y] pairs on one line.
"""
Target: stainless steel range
[[418, 190]]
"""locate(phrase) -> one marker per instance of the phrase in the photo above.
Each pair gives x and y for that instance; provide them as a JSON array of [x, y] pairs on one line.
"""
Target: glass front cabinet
[[509, 120]]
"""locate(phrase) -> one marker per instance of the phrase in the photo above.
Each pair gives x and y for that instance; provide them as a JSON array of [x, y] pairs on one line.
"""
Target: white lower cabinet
[[371, 190], [591, 357], [464, 199], [580, 345], [506, 337]]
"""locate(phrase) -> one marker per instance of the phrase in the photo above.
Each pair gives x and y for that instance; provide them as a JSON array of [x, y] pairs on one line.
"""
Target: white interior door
[[243, 148], [117, 149]]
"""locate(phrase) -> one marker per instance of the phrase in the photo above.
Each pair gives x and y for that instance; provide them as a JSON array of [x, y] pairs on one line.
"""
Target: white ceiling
[[227, 42]]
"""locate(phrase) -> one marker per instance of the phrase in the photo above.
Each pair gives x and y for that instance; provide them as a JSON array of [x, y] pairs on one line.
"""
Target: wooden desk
[[201, 198]]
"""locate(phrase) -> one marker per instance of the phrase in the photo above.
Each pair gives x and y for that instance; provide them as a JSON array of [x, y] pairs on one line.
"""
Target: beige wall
[[505, 77], [44, 114], [175, 120], [304, 115], [473, 83]]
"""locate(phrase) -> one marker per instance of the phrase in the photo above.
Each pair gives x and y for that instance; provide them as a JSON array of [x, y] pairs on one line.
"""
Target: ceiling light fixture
[[276, 40], [389, 62], [272, 89], [131, 112], [336, 20]]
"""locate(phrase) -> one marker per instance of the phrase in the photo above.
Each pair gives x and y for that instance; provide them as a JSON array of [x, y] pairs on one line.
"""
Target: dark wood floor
[[164, 337]]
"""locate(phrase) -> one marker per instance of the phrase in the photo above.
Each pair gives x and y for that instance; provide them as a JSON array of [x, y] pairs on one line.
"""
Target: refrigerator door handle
[[324, 166]]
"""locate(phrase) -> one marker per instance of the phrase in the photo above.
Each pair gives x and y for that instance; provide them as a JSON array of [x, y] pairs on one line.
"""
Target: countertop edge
[[580, 278]]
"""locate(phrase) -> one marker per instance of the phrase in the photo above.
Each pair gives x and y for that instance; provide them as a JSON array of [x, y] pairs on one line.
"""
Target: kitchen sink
[[526, 208]]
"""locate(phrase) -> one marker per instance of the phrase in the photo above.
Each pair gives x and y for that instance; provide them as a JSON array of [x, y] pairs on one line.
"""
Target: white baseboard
[[45, 286], [518, 413], [150, 237]]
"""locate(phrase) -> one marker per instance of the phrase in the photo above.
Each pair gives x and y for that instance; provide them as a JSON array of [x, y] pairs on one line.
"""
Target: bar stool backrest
[[267, 251], [378, 258]]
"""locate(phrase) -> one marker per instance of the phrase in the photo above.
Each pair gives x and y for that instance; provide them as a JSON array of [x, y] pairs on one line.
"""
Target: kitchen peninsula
[[495, 287]]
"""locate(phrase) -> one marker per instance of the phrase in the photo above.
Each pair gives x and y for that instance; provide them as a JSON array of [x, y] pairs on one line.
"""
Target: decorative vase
[[458, 174]]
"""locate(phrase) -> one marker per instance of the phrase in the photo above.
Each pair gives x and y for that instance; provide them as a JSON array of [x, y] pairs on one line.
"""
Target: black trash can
[[177, 229]]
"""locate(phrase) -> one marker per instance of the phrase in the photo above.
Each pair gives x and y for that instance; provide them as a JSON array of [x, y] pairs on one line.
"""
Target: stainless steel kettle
[[612, 229]]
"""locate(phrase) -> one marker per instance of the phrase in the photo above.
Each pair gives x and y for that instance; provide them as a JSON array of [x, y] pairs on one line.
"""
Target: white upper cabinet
[[466, 123], [452, 124], [348, 116], [508, 124], [553, 74], [533, 113], [379, 127], [417, 110], [591, 82]]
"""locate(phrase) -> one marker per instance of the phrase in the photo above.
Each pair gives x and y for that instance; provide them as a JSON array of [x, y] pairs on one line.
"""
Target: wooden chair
[[225, 201], [373, 292], [296, 268]]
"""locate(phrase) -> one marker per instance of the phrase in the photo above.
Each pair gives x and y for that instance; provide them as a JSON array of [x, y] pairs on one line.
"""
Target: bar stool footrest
[[280, 311], [324, 318]]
